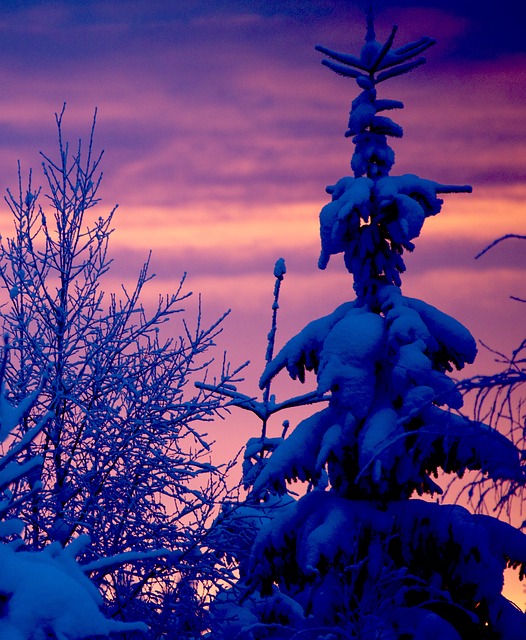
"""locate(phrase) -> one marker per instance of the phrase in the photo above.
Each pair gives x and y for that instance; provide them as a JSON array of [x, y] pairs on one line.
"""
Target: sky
[[221, 130]]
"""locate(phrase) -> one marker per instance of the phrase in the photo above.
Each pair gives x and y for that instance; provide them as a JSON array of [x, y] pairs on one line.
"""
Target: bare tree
[[125, 459], [43, 593], [499, 399]]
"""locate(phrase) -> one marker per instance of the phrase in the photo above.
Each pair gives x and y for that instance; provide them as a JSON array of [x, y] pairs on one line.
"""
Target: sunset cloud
[[222, 130]]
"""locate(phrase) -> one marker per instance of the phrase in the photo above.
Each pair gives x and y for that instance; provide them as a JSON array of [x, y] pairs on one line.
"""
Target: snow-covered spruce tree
[[125, 459], [360, 555], [43, 594]]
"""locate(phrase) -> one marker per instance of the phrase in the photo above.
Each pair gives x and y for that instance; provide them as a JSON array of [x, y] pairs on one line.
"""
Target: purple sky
[[222, 129]]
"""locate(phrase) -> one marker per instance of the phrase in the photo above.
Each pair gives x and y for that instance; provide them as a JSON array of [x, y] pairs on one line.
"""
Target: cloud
[[202, 106], [222, 129]]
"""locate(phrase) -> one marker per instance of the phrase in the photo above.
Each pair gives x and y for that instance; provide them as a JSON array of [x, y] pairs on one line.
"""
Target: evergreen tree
[[365, 552]]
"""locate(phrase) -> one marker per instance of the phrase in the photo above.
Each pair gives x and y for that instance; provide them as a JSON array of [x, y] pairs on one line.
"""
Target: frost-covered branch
[[115, 421]]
